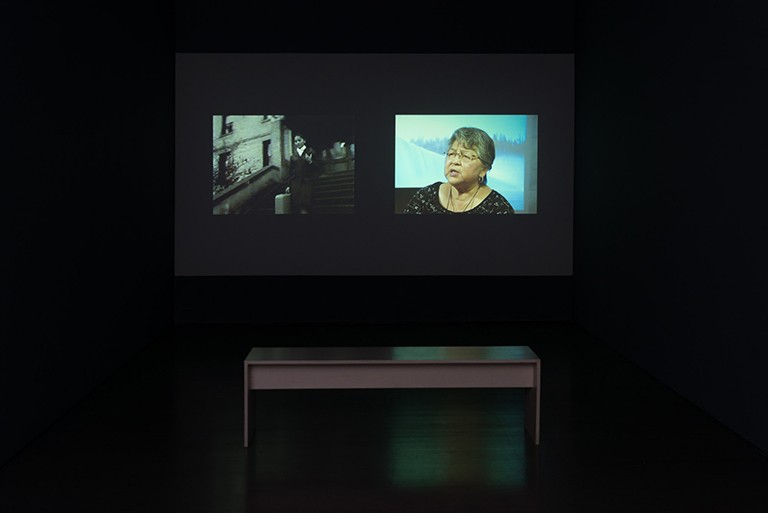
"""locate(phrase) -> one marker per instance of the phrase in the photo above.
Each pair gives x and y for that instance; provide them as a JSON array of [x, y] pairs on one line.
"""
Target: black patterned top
[[427, 201]]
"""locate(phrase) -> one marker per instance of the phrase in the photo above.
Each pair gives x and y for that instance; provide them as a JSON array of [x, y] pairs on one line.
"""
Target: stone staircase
[[335, 189]]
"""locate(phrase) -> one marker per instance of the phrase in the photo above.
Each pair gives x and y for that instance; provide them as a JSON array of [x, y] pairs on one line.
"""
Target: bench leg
[[246, 408], [533, 407], [532, 414]]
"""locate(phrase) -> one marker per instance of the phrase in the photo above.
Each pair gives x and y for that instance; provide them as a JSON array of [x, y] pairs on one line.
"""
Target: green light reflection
[[469, 444]]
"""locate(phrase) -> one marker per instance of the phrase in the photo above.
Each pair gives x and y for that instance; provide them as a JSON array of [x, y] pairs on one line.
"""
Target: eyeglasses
[[463, 157]]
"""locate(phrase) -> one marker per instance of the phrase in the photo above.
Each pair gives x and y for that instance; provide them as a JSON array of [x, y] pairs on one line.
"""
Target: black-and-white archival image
[[283, 164]]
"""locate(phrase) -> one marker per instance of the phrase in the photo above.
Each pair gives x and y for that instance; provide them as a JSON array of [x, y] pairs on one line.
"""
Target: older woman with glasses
[[469, 157]]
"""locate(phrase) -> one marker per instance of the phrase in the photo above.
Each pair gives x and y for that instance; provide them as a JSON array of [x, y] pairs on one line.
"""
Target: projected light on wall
[[421, 140], [258, 167], [382, 123]]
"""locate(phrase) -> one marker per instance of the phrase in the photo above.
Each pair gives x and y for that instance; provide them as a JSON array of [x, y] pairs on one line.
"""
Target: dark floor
[[165, 434]]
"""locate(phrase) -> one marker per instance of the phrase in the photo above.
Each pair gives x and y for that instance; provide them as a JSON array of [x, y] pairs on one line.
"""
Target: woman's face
[[463, 167]]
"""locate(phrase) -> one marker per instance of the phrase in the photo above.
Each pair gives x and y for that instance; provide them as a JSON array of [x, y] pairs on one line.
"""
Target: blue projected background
[[420, 141]]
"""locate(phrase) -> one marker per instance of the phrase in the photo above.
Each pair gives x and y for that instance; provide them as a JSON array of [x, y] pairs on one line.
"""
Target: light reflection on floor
[[407, 439], [473, 445]]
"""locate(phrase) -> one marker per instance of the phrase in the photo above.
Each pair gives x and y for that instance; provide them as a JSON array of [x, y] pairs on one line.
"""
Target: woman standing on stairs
[[304, 163]]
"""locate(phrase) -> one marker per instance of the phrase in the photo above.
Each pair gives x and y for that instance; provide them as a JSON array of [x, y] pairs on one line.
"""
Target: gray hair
[[477, 140]]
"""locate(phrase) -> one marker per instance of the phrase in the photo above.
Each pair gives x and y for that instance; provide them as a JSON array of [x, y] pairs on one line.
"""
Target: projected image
[[283, 164], [478, 164]]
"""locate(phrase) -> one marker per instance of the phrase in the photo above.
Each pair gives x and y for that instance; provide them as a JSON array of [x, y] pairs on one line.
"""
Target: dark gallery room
[[179, 342]]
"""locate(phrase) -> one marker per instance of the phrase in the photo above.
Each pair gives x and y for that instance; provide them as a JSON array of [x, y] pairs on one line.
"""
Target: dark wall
[[546, 26], [670, 261], [87, 209], [372, 299], [88, 215]]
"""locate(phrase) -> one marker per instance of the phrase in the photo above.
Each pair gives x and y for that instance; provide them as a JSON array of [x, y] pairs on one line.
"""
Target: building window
[[266, 152], [226, 126], [222, 173]]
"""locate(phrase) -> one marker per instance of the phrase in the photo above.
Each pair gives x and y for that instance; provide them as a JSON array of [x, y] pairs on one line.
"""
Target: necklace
[[450, 199]]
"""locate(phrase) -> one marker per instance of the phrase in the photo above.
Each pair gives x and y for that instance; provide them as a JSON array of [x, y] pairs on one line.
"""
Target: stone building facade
[[250, 156]]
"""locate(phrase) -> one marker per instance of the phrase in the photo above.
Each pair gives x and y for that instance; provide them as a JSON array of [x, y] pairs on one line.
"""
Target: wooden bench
[[282, 368]]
